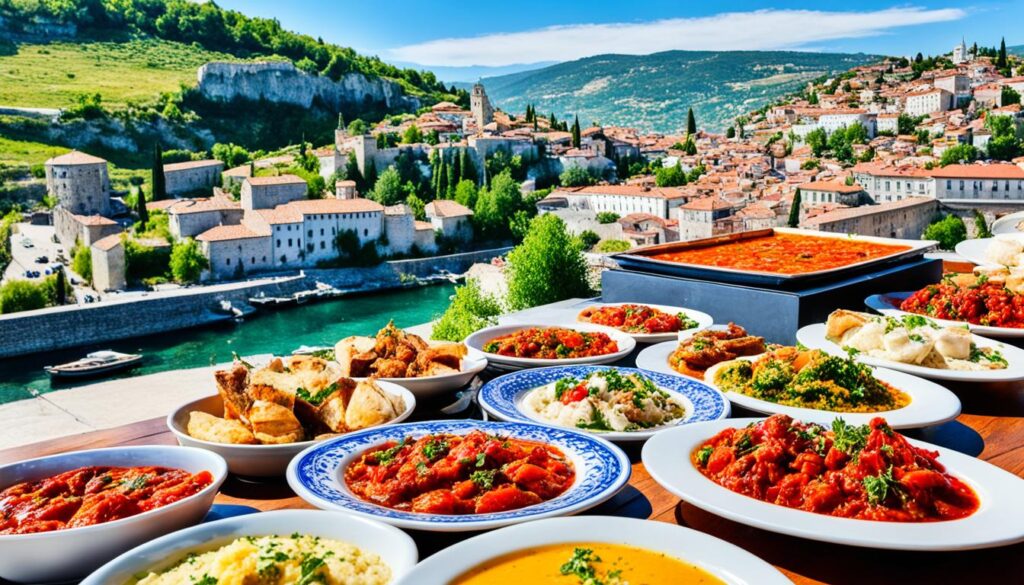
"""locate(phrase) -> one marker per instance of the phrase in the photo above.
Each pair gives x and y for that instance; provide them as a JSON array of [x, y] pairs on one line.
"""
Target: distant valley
[[653, 92]]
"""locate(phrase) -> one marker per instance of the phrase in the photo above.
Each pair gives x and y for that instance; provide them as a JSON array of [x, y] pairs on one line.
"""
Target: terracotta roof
[[852, 212], [884, 170], [424, 225], [93, 220], [203, 205], [398, 209], [279, 215], [239, 171], [641, 217], [108, 243], [192, 164], [345, 183], [625, 190], [76, 158], [223, 233], [832, 186], [162, 204], [982, 171], [308, 206], [447, 208], [708, 204], [276, 180]]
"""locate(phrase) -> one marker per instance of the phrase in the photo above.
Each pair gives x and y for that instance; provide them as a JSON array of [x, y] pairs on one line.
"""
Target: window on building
[[366, 232], [321, 231], [253, 260], [289, 242], [227, 261], [278, 242], [264, 259], [961, 185], [323, 244], [309, 233]]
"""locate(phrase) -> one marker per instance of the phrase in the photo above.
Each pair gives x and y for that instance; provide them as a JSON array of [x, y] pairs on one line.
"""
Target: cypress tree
[[140, 208], [691, 122], [341, 121], [61, 287], [442, 179], [371, 175], [553, 121], [794, 211], [468, 168], [576, 132], [730, 132], [1001, 59], [457, 166], [452, 180], [159, 186]]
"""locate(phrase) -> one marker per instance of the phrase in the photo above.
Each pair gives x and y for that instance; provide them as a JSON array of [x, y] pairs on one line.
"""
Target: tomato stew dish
[[450, 474], [867, 472], [548, 343]]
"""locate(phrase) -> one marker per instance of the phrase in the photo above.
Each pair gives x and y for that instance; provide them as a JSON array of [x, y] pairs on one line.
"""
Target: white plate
[[317, 474], [703, 321], [1007, 224], [503, 397], [724, 560], [431, 386], [61, 555], [654, 358], [974, 250], [476, 342], [930, 404], [884, 305], [393, 546], [259, 460], [813, 336], [998, 521]]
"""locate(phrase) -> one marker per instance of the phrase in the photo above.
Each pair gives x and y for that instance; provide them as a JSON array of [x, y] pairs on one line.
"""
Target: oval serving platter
[[601, 468], [502, 397]]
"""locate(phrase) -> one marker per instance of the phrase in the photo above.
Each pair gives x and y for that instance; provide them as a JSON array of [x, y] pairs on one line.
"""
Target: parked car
[[42, 260]]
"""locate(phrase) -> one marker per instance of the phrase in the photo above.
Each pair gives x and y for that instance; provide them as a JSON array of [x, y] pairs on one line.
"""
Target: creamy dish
[[276, 560], [912, 339], [605, 401]]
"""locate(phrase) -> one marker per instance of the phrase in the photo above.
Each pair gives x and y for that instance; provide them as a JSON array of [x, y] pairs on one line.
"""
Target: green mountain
[[653, 92]]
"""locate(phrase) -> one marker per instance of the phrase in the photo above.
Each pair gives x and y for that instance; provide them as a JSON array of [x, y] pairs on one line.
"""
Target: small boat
[[96, 363]]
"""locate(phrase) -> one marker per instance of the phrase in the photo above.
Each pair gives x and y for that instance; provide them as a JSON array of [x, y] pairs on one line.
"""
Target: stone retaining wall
[[76, 325]]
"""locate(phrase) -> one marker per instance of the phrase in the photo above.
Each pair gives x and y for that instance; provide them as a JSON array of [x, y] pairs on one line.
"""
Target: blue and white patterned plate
[[602, 469], [502, 397]]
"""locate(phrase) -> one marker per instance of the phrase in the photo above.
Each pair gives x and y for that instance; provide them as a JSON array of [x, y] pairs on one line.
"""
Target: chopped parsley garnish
[[434, 449], [385, 456], [686, 322], [745, 445], [481, 458], [136, 483], [704, 455], [565, 384], [484, 478], [422, 469], [878, 487], [311, 569], [238, 359], [581, 565], [205, 580], [849, 439]]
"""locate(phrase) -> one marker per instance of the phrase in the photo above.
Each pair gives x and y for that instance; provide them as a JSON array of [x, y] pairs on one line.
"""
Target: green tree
[[496, 205], [980, 225], [307, 65], [691, 122], [6, 235], [60, 287], [465, 193], [547, 267], [905, 124], [467, 167], [613, 246], [140, 207], [856, 133], [813, 98], [576, 176], [388, 189], [948, 231], [589, 239], [371, 176], [159, 186], [1009, 96], [417, 205], [187, 261], [794, 210], [672, 176], [519, 225], [605, 217], [730, 132], [412, 135], [961, 153], [21, 295], [470, 310], [690, 147], [441, 178], [576, 133], [357, 127], [1001, 59], [81, 261], [817, 140]]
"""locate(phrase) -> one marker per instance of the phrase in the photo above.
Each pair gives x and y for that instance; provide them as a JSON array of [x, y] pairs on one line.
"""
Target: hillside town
[[882, 149]]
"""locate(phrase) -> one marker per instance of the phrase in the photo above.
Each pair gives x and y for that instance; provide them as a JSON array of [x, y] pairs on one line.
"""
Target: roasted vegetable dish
[[709, 347], [550, 343], [451, 474], [93, 495], [975, 299], [868, 472], [637, 319], [809, 379], [393, 353]]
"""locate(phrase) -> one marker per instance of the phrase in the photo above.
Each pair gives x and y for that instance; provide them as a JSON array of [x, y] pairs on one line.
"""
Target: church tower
[[960, 53], [480, 107]]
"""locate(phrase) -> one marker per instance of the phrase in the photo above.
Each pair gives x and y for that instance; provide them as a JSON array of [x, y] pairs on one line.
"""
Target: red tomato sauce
[[784, 253], [450, 474], [638, 319], [93, 495], [552, 343], [868, 472], [989, 304]]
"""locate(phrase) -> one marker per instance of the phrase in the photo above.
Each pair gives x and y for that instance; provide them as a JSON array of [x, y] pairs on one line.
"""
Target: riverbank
[[134, 315]]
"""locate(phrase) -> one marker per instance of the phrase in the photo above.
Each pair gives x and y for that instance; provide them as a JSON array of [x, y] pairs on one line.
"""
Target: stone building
[[480, 106], [345, 189], [831, 192], [905, 219], [108, 264], [82, 187], [190, 217], [451, 219], [269, 192], [703, 218], [622, 199], [194, 176], [400, 227], [425, 237], [234, 251]]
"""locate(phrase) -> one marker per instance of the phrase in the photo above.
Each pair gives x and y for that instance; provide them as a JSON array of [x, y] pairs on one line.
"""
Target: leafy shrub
[[607, 217], [589, 239], [22, 295], [547, 267], [470, 310], [187, 261], [948, 231], [613, 246], [81, 261]]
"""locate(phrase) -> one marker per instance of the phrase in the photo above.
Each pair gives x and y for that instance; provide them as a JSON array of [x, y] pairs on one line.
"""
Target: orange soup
[[572, 564], [784, 253]]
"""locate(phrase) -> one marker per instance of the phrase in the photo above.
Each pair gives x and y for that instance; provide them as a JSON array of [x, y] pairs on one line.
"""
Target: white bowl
[[476, 342], [726, 561], [703, 321], [258, 460], [393, 546], [62, 555], [430, 386]]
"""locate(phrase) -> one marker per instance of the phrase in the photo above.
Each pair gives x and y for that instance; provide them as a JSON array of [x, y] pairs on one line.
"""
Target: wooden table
[[804, 561]]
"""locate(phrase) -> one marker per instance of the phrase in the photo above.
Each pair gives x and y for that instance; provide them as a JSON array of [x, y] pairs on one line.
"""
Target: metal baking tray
[[641, 259]]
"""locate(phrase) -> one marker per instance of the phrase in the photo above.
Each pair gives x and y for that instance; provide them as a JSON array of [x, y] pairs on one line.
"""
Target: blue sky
[[462, 34]]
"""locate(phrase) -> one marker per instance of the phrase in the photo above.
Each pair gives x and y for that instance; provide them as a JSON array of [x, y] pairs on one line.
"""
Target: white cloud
[[757, 30]]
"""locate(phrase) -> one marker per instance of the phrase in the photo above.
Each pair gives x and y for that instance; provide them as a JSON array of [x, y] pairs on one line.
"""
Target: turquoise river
[[265, 332]]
